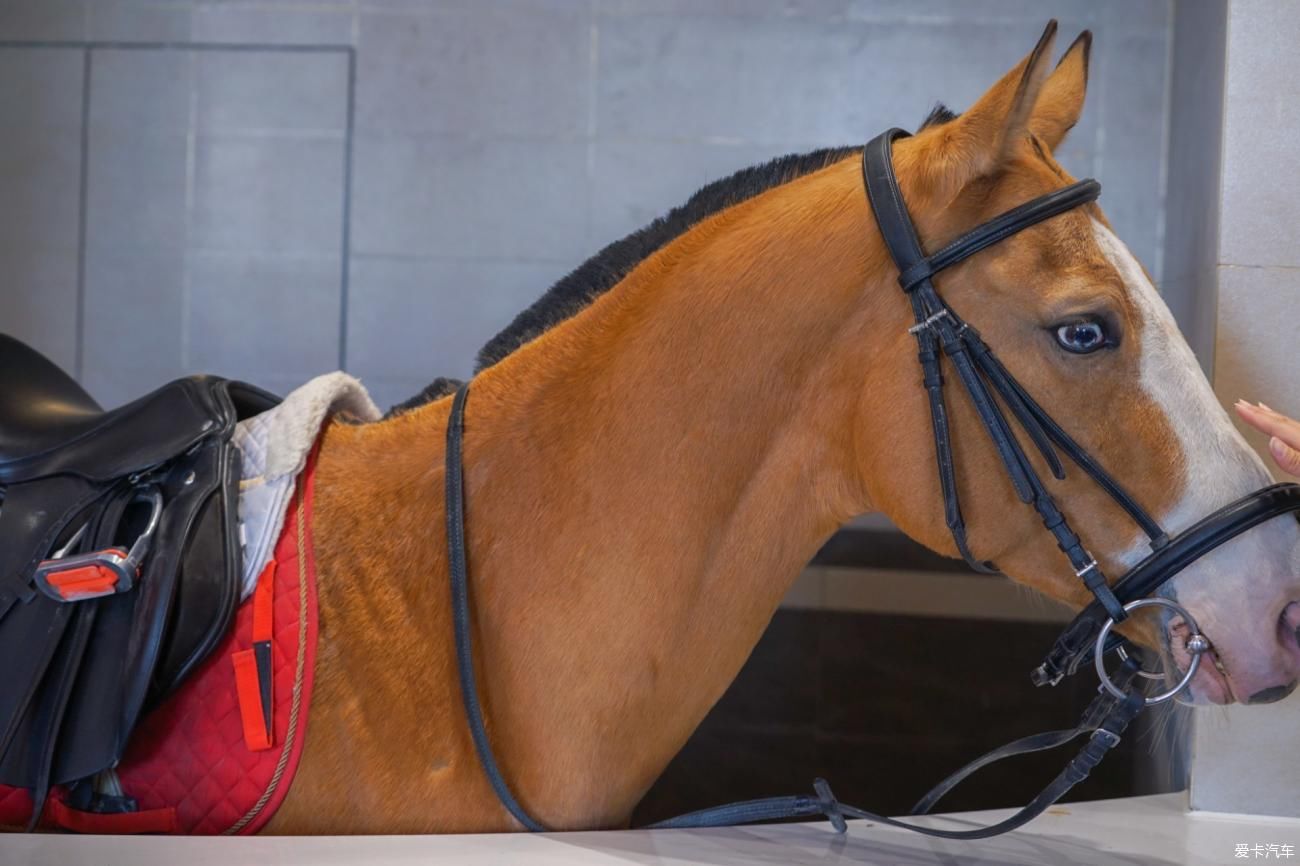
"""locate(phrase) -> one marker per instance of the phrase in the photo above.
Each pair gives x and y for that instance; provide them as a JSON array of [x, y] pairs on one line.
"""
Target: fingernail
[[1242, 404], [1280, 450], [1266, 409]]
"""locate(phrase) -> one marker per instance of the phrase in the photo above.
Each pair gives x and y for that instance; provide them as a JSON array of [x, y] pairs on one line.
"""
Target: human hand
[[1283, 433]]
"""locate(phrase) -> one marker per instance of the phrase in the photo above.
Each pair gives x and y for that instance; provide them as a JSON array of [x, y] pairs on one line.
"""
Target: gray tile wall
[[1193, 166], [493, 145], [40, 171]]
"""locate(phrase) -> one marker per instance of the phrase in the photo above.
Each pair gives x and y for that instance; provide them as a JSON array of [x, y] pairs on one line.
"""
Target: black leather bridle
[[939, 333]]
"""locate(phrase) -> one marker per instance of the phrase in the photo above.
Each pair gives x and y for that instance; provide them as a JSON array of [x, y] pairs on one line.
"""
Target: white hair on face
[[1237, 593], [1218, 465]]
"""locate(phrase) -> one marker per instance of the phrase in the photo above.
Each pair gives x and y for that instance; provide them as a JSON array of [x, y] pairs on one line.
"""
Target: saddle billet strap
[[45, 723], [1074, 648]]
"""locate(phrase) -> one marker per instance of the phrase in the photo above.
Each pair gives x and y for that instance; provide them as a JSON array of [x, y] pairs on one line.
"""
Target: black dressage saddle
[[119, 560]]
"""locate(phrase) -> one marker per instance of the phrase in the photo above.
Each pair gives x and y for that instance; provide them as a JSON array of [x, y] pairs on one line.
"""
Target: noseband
[[941, 333]]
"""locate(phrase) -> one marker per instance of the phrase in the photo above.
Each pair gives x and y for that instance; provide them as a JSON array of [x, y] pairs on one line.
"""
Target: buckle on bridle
[[1110, 738], [84, 576], [928, 323]]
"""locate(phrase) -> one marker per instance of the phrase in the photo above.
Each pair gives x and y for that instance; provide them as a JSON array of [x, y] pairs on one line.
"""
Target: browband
[[1000, 228], [900, 236]]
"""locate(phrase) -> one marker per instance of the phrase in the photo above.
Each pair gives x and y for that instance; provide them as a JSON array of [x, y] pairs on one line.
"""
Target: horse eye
[[1082, 338]]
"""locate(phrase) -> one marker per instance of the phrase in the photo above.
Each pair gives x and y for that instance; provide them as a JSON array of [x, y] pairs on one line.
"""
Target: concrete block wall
[[1193, 168], [274, 189]]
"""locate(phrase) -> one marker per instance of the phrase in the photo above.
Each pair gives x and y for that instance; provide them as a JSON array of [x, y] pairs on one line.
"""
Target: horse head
[[1077, 320]]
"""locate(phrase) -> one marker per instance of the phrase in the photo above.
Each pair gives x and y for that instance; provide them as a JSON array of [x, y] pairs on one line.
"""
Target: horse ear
[[1061, 102], [977, 142]]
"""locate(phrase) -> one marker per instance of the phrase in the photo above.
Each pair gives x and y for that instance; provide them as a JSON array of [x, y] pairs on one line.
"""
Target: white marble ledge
[[1138, 830]]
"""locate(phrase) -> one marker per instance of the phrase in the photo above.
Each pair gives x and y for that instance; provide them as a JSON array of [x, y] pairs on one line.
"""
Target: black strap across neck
[[458, 562]]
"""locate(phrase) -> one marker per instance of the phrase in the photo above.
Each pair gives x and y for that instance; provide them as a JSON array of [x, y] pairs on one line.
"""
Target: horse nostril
[[1270, 695], [1289, 627]]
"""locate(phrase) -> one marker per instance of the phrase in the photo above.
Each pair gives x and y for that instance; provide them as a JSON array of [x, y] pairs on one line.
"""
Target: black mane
[[938, 116], [608, 267]]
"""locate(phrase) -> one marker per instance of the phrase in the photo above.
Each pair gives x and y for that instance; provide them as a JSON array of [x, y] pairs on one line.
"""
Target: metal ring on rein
[[1196, 645]]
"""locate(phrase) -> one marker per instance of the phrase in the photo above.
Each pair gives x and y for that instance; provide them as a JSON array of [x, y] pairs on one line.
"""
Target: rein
[[457, 556], [939, 332]]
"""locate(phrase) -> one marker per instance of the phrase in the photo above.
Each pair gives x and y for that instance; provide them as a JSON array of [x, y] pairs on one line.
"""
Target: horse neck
[[644, 483]]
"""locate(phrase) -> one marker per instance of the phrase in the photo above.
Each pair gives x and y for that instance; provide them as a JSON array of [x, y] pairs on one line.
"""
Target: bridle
[[940, 333]]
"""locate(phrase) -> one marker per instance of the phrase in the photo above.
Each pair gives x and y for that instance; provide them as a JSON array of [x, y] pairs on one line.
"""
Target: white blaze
[[1218, 464], [1238, 591]]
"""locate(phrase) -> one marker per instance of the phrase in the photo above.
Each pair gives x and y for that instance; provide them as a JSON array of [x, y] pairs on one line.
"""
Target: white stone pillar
[[1244, 758]]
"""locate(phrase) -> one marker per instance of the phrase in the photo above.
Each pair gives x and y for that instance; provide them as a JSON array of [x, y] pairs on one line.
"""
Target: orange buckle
[[100, 572], [87, 575]]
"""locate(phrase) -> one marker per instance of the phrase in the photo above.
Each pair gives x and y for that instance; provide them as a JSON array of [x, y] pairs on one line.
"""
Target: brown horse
[[657, 448]]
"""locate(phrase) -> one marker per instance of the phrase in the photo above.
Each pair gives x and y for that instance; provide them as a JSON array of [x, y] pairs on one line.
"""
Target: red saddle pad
[[189, 764]]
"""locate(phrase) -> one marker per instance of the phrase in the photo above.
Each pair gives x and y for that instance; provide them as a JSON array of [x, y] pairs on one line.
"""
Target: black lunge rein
[[939, 331]]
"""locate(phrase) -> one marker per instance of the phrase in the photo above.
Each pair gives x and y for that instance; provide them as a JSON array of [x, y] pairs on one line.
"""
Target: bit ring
[[1196, 644]]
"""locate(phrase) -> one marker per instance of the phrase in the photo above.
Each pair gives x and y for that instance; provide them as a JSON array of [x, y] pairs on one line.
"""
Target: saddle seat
[[49, 425], [80, 669]]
